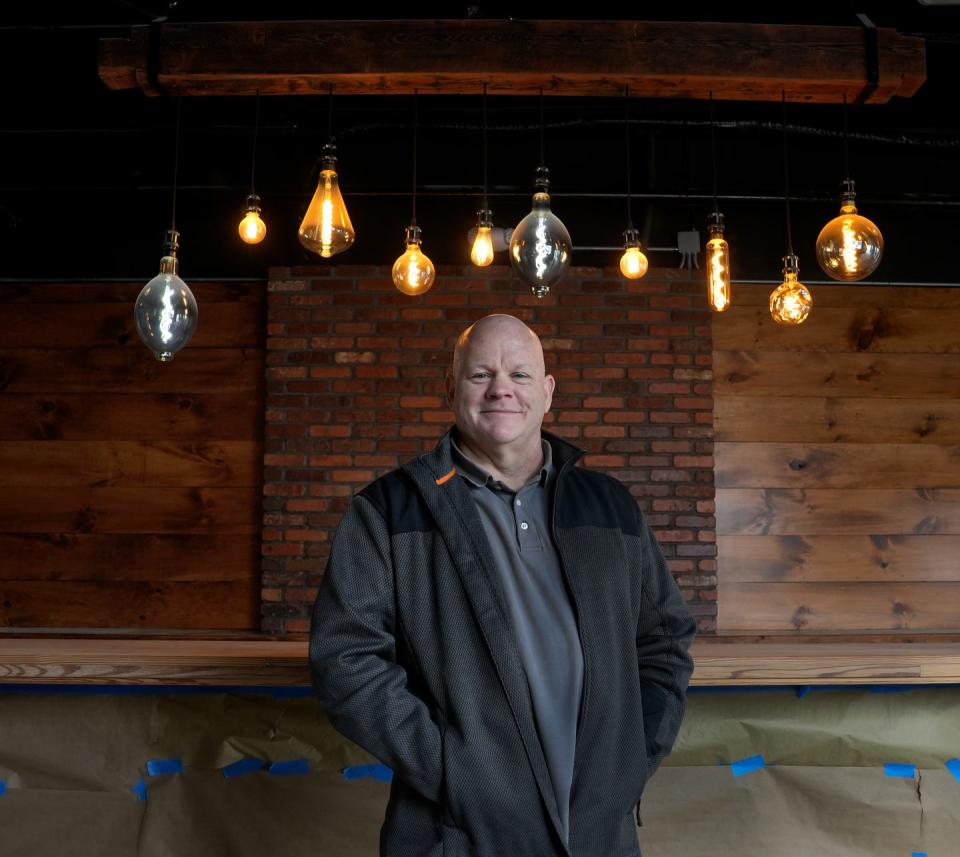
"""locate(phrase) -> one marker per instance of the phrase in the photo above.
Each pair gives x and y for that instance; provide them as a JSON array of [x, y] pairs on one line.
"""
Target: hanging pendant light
[[540, 245], [326, 228], [850, 246], [633, 263], [252, 229], [718, 251], [481, 252], [791, 301], [165, 313], [413, 273]]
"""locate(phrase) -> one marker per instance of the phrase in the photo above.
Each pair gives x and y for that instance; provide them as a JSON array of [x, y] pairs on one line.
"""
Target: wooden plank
[[873, 329], [65, 463], [836, 559], [130, 509], [838, 465], [130, 416], [818, 607], [821, 419], [782, 373], [595, 58], [125, 557], [196, 604], [134, 370], [781, 511], [862, 295], [92, 325], [206, 292]]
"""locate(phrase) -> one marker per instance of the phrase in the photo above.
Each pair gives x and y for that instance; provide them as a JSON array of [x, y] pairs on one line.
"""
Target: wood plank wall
[[130, 490], [838, 463]]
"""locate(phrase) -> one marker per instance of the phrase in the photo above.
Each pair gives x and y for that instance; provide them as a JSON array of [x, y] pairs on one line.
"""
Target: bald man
[[500, 627]]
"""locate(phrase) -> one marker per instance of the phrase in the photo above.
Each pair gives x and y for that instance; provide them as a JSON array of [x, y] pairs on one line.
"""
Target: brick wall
[[355, 386]]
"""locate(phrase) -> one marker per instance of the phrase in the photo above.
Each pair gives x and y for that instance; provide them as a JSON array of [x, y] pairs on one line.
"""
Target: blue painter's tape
[[164, 766], [919, 854], [745, 766], [376, 772], [140, 789], [953, 766], [243, 766], [802, 690], [3, 787], [892, 769], [290, 766]]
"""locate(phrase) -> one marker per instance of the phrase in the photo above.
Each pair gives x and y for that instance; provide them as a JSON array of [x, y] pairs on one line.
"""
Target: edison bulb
[[791, 301], [718, 265], [165, 313], [849, 247], [413, 272], [540, 245], [252, 229], [633, 264], [326, 228], [481, 253]]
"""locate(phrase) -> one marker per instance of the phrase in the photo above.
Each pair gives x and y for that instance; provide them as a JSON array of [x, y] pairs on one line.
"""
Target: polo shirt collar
[[476, 475]]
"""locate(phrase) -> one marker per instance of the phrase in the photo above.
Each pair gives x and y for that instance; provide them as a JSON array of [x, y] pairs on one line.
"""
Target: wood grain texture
[[819, 607], [862, 295], [838, 465], [596, 58], [824, 511], [837, 559], [835, 419]]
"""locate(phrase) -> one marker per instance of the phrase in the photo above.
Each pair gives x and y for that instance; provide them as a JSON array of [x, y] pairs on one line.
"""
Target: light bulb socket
[[485, 218], [541, 180], [171, 242], [848, 195], [328, 160], [631, 238], [253, 204], [791, 264], [715, 224], [412, 235]]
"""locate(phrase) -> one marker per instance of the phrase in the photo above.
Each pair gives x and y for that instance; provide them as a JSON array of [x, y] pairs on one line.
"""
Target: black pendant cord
[[253, 155], [484, 206], [176, 167], [626, 93], [786, 175], [713, 152], [846, 141], [543, 161], [330, 114], [413, 219]]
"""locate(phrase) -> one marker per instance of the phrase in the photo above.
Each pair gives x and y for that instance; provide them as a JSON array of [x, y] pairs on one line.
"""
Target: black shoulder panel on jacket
[[396, 498], [593, 499]]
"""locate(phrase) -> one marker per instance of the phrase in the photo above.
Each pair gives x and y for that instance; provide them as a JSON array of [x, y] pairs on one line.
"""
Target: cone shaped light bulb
[[791, 301], [633, 263], [718, 265], [849, 247], [540, 245], [413, 272], [326, 228], [481, 253], [165, 312], [252, 229]]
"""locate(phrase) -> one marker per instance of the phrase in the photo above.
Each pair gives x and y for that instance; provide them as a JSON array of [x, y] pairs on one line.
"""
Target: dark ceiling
[[85, 181]]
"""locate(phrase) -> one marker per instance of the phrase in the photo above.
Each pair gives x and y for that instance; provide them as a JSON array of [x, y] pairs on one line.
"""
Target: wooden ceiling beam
[[750, 62]]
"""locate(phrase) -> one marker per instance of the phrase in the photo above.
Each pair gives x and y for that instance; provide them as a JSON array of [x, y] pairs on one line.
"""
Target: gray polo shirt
[[523, 556]]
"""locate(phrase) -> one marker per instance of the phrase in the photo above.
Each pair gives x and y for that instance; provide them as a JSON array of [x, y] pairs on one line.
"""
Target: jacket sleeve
[[353, 667], [664, 632]]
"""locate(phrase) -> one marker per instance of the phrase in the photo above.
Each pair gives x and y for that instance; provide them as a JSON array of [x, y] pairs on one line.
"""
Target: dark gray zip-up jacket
[[412, 656]]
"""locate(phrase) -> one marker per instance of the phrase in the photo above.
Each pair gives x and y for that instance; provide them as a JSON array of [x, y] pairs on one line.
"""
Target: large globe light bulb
[[849, 247], [413, 272], [540, 245], [790, 302], [165, 313], [326, 228]]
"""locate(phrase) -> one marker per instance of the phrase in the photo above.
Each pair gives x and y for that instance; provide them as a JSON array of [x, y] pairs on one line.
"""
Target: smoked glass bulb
[[326, 228], [540, 245], [481, 253], [165, 313], [790, 302], [413, 272], [252, 228], [718, 265], [849, 247], [633, 264]]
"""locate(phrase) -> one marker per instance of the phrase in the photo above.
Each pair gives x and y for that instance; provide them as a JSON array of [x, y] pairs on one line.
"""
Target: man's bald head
[[496, 325]]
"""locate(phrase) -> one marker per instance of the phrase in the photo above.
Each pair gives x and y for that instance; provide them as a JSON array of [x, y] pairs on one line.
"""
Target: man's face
[[500, 392]]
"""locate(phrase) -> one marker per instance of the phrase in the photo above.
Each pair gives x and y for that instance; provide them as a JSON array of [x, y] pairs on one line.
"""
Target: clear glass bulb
[[252, 229], [540, 245], [791, 301], [413, 272], [633, 263], [165, 313], [718, 265], [849, 247], [326, 228], [481, 253]]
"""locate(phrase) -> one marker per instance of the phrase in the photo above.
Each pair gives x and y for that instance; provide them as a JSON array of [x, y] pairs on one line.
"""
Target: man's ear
[[449, 384], [551, 385]]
